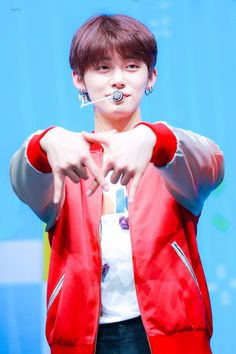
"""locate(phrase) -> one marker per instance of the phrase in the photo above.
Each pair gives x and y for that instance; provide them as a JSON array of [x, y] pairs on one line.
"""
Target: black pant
[[125, 337]]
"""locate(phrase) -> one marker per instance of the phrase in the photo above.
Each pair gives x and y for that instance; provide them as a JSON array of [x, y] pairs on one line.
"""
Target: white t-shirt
[[119, 300]]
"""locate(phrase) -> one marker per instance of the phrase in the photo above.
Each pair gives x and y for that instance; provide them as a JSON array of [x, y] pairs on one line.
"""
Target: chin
[[120, 113]]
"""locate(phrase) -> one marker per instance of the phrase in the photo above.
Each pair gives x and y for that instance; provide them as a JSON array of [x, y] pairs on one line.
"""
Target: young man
[[125, 273]]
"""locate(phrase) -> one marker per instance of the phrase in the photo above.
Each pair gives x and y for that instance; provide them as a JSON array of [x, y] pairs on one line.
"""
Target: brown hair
[[105, 34]]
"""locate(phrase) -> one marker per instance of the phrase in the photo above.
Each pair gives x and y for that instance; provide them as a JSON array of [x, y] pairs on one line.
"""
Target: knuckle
[[124, 182], [64, 168], [56, 168], [118, 167], [85, 156], [76, 179], [129, 170]]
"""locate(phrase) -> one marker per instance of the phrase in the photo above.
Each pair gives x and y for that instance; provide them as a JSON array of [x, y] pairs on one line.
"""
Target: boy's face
[[114, 73]]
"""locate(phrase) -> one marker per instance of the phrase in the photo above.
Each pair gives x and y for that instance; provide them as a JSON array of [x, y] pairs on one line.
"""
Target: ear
[[152, 78], [78, 81]]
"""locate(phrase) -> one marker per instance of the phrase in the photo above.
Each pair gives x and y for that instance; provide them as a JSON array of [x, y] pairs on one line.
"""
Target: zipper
[[100, 304], [130, 227], [99, 238], [55, 292], [148, 340], [96, 338], [184, 259]]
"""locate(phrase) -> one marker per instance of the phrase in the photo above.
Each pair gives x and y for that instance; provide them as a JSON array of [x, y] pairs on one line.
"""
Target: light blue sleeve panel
[[33, 187], [196, 169]]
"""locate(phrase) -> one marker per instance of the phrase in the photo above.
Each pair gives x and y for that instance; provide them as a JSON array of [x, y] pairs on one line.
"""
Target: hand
[[128, 154], [69, 155]]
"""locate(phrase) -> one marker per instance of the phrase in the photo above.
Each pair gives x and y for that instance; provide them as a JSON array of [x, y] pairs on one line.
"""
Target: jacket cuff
[[166, 143], [36, 155]]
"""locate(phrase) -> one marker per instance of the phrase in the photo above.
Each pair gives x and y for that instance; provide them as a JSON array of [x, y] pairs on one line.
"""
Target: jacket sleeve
[[32, 179], [192, 167]]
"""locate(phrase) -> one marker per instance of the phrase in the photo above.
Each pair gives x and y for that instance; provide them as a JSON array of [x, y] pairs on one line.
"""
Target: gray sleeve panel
[[33, 187], [196, 169]]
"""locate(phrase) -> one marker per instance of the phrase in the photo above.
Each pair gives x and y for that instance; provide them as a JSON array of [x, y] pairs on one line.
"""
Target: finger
[[133, 187], [59, 181], [74, 176], [81, 172], [116, 175], [97, 173], [95, 138], [92, 188], [126, 178], [94, 185], [103, 138], [102, 134]]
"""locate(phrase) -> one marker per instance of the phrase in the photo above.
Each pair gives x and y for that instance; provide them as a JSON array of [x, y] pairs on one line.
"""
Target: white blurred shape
[[221, 271], [232, 283], [212, 287], [225, 298], [21, 261]]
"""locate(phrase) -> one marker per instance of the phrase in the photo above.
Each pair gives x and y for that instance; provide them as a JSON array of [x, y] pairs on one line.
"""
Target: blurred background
[[195, 90]]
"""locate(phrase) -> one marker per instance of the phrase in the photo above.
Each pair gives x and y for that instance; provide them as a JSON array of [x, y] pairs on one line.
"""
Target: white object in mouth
[[117, 96]]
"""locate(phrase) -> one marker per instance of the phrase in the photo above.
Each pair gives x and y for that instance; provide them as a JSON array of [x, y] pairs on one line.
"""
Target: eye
[[102, 68], [132, 66]]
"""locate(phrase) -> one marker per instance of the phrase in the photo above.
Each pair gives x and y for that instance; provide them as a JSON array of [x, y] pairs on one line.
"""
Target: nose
[[118, 79]]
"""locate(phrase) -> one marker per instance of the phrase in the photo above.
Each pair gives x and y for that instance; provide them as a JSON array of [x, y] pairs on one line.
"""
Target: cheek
[[141, 83], [140, 88], [93, 83]]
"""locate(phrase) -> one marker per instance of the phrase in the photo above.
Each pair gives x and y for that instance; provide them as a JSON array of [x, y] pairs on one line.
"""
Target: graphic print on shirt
[[117, 287], [115, 202]]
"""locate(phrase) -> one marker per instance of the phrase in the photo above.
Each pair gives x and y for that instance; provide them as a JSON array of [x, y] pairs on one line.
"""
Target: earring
[[148, 90], [83, 96]]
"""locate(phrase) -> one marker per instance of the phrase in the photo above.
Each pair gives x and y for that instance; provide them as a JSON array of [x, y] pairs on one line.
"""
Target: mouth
[[124, 94]]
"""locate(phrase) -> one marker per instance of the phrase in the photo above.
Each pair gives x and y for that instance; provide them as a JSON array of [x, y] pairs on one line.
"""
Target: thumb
[[59, 182], [133, 187], [103, 138]]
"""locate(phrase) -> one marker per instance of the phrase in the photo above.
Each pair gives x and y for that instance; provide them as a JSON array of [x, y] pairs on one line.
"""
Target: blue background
[[195, 90]]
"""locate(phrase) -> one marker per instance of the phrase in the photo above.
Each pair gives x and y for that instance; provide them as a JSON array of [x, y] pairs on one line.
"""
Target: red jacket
[[170, 283]]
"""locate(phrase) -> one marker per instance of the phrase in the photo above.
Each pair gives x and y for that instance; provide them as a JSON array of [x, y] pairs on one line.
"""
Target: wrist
[[148, 134], [35, 153], [165, 144]]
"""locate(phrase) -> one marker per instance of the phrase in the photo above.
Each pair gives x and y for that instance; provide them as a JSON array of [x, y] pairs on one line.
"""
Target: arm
[[191, 165], [196, 169], [32, 179], [38, 170]]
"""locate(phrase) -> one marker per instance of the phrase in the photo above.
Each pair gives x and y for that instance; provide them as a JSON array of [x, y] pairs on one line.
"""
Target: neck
[[121, 124]]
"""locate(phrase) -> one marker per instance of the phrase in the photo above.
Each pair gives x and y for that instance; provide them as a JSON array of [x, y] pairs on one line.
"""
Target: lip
[[124, 94]]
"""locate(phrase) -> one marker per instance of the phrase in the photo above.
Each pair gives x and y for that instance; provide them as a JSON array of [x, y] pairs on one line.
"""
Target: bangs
[[104, 47], [105, 35]]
